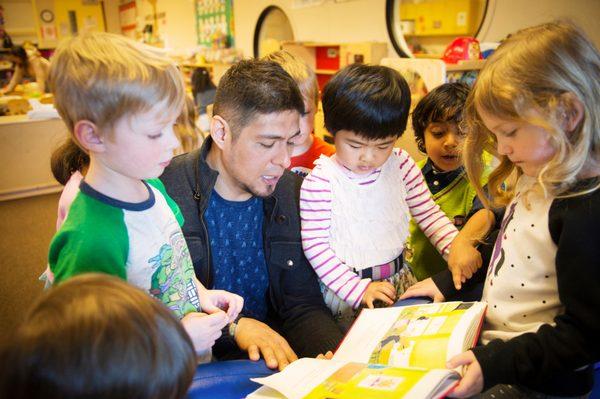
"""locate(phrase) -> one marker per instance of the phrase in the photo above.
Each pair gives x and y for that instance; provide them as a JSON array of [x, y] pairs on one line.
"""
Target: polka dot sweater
[[521, 287], [543, 294]]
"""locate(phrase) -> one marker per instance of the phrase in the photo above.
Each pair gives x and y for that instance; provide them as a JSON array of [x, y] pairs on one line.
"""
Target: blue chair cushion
[[228, 379]]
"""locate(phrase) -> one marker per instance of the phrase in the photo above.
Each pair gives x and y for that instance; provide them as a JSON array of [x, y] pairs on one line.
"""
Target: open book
[[388, 353]]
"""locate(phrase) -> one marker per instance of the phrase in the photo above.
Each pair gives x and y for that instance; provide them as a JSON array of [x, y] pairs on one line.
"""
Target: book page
[[299, 378], [412, 336], [356, 380]]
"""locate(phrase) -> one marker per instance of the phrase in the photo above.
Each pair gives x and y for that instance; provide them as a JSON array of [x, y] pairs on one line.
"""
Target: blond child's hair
[[101, 77], [185, 128], [526, 80], [302, 74]]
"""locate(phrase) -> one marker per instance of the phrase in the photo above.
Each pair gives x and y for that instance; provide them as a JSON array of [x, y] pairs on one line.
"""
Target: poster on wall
[[214, 23], [127, 19]]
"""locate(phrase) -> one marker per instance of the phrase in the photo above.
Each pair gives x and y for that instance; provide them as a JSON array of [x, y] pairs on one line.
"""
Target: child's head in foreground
[[119, 100], [436, 123], [96, 336], [366, 110], [306, 79], [535, 105]]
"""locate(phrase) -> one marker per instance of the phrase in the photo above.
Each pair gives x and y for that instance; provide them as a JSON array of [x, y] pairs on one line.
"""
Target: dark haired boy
[[436, 122], [242, 224]]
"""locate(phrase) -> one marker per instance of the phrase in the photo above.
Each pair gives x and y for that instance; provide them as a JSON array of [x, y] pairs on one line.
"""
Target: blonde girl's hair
[[526, 80], [302, 74], [102, 77], [97, 336], [185, 128]]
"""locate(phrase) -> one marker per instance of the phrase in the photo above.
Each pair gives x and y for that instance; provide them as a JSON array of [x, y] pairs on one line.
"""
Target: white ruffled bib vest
[[369, 223]]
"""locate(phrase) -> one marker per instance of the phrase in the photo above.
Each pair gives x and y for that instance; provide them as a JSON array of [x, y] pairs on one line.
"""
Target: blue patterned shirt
[[238, 258]]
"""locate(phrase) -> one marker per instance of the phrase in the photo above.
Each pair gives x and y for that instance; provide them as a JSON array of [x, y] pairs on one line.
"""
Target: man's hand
[[258, 338], [424, 288], [212, 301], [472, 380], [382, 290], [463, 261], [204, 329]]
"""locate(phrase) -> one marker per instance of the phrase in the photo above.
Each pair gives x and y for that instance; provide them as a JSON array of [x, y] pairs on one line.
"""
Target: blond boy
[[307, 147], [120, 100]]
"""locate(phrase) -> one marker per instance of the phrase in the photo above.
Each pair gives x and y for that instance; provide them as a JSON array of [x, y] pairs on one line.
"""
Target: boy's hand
[[472, 381], [212, 301], [204, 329], [382, 290], [424, 288], [463, 261]]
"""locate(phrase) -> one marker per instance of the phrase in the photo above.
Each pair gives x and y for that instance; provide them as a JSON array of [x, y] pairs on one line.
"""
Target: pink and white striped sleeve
[[431, 220], [315, 216]]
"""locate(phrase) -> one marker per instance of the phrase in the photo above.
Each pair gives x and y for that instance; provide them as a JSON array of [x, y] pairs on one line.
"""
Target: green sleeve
[[93, 239], [157, 184]]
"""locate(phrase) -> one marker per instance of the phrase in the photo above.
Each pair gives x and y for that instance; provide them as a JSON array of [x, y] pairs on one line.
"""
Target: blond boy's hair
[[302, 74], [101, 77], [526, 80]]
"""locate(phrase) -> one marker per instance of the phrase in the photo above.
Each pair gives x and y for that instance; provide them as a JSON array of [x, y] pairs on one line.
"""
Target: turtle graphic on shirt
[[173, 279]]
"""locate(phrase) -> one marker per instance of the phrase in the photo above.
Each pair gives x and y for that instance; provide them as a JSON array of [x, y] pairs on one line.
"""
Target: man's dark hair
[[443, 104], [369, 100], [253, 87]]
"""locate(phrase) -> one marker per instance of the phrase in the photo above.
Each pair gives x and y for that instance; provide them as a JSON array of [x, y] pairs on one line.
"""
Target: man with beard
[[242, 225]]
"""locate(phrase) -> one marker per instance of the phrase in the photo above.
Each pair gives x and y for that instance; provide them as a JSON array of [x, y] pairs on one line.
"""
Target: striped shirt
[[316, 212]]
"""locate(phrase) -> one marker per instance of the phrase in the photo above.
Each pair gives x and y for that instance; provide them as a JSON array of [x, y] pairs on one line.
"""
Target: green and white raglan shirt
[[141, 243]]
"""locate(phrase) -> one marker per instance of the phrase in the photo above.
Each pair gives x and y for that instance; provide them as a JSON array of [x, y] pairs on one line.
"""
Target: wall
[[364, 20], [352, 21], [176, 22], [507, 16], [19, 21], [23, 20]]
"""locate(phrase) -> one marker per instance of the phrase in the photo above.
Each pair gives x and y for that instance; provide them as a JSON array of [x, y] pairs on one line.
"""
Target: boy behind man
[[120, 100], [308, 147]]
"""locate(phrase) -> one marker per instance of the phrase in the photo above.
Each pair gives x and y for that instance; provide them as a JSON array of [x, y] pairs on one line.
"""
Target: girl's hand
[[424, 288], [212, 301], [382, 290], [463, 261], [472, 381], [204, 329], [326, 356]]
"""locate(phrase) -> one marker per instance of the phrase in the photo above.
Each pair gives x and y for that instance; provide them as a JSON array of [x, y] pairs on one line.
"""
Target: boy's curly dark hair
[[445, 103]]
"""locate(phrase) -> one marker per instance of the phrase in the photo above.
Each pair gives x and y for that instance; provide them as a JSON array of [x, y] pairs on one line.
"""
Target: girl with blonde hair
[[535, 105]]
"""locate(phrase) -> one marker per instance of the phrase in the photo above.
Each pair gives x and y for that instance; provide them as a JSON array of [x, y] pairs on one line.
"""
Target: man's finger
[[268, 355], [253, 353], [282, 360], [287, 349]]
